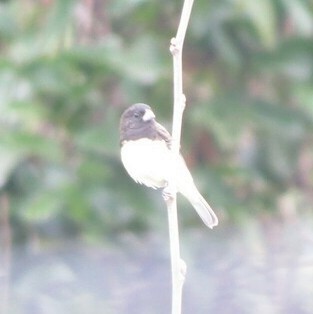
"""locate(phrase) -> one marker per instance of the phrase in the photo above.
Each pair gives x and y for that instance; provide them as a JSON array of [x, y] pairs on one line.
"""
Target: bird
[[148, 159]]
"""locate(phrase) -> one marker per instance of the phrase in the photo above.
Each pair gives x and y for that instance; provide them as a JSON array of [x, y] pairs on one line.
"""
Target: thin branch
[[178, 266], [176, 49]]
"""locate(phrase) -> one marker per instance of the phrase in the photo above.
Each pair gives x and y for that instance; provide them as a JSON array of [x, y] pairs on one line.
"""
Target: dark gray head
[[137, 121]]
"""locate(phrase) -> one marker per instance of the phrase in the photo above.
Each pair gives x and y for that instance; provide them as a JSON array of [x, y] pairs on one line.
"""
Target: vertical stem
[[178, 266], [177, 278], [176, 49], [179, 99]]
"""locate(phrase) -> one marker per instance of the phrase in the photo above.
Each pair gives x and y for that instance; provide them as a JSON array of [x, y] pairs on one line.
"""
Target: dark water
[[253, 268]]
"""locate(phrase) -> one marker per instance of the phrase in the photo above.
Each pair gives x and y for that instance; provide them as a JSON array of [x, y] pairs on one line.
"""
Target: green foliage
[[68, 70]]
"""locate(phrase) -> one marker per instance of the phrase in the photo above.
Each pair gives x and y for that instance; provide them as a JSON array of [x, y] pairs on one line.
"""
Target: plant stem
[[178, 266]]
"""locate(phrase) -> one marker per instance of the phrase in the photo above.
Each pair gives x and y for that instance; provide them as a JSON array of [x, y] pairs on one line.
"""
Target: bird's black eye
[[136, 115]]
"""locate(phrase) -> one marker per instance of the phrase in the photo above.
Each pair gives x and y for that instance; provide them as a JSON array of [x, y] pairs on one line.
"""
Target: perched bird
[[148, 159]]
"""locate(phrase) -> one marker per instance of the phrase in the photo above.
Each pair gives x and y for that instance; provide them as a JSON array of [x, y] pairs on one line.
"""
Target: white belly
[[148, 162]]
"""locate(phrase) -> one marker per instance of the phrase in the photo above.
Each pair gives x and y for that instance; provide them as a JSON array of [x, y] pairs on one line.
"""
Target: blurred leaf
[[41, 207], [300, 13], [262, 15]]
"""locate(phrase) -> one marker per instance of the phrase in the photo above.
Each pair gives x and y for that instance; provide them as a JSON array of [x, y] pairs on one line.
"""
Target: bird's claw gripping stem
[[168, 193]]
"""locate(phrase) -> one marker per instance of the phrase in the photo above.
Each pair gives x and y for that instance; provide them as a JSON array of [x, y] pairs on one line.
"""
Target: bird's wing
[[163, 134]]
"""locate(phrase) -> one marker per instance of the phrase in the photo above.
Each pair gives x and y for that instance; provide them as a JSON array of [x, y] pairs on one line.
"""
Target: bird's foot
[[168, 193]]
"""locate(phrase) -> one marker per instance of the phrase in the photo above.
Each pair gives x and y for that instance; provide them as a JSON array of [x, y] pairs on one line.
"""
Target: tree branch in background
[[178, 266], [5, 256]]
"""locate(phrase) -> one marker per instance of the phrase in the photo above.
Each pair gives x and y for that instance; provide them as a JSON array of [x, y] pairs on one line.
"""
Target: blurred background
[[76, 234]]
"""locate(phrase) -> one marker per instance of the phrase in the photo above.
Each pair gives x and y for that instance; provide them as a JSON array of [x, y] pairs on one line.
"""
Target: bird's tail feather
[[186, 187], [203, 209]]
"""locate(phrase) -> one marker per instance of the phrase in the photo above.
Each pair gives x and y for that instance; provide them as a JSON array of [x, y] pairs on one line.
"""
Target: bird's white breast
[[148, 162]]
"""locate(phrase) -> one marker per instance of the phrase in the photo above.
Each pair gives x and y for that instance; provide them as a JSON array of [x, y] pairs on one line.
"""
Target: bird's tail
[[186, 187], [204, 210], [201, 206]]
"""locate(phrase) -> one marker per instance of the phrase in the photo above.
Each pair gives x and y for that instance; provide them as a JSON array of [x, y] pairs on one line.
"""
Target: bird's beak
[[149, 115]]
